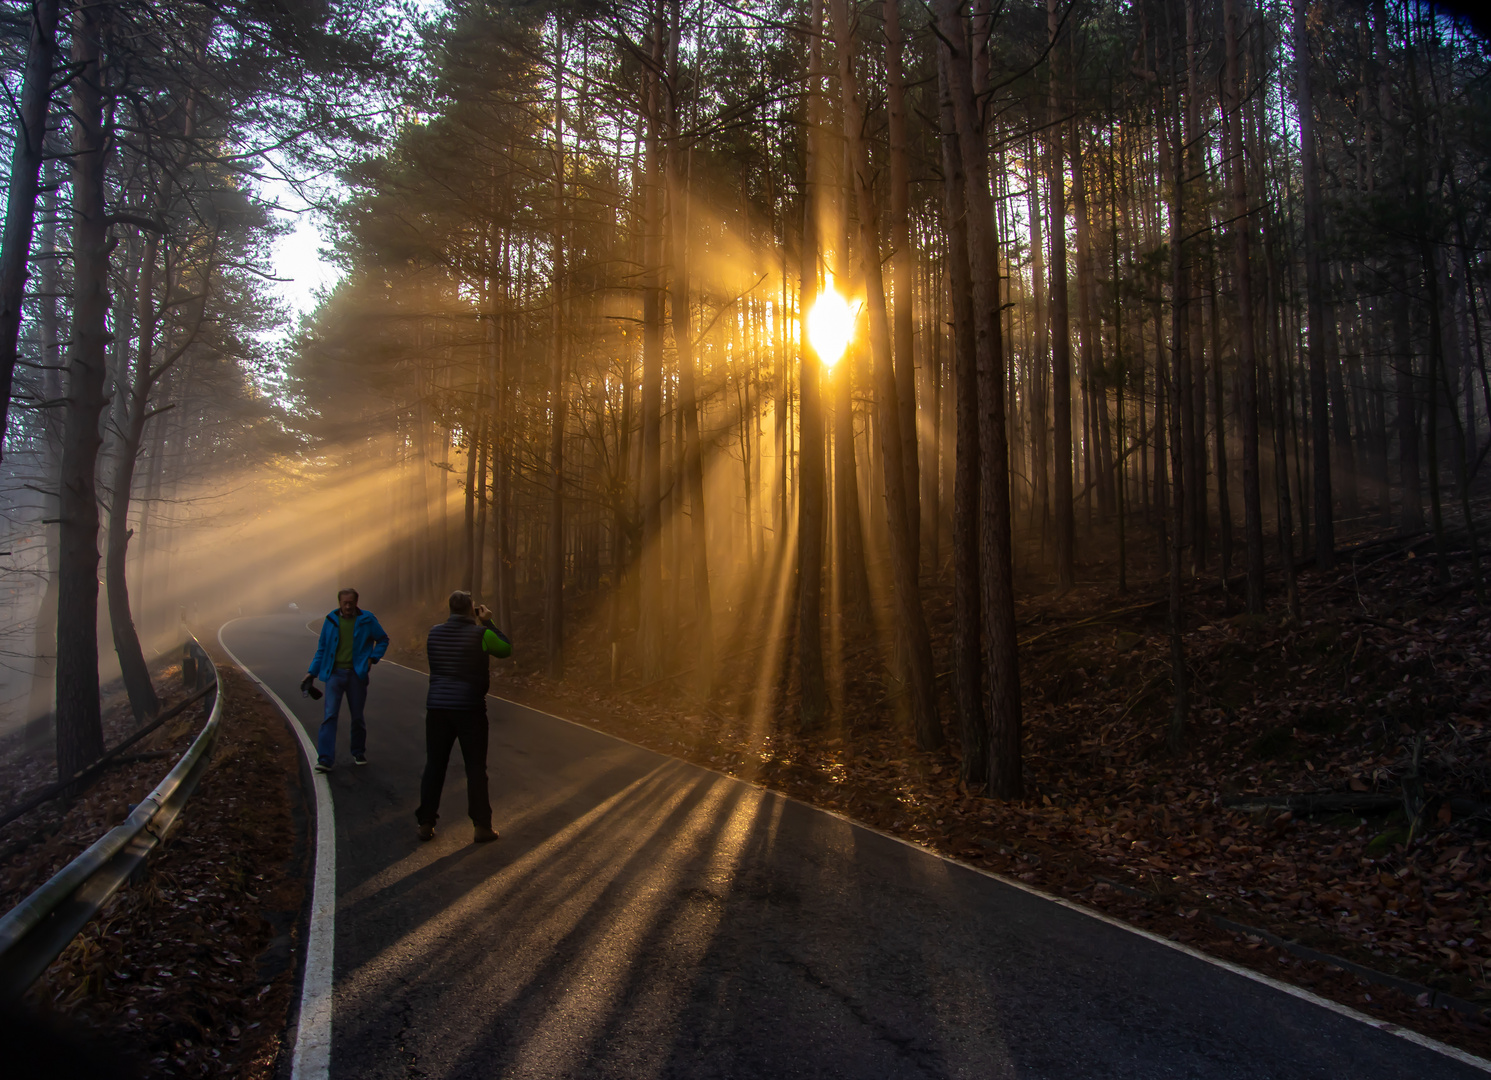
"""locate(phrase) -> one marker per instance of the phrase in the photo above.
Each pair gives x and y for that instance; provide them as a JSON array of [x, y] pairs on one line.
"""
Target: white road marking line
[[312, 1055], [1302, 994]]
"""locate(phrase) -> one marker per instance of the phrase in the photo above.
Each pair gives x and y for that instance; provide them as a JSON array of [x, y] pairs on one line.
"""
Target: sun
[[831, 324]]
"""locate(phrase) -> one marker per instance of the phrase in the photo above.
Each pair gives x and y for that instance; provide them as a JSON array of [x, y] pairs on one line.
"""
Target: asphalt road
[[641, 917]]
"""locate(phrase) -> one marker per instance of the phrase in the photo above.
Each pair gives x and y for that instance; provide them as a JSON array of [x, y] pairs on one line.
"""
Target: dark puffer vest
[[459, 675]]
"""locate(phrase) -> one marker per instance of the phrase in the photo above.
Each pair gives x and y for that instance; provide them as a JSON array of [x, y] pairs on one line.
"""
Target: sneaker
[[323, 767], [485, 834], [427, 832], [359, 759]]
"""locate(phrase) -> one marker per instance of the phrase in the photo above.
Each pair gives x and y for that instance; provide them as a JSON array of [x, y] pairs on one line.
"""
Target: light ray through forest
[[770, 357]]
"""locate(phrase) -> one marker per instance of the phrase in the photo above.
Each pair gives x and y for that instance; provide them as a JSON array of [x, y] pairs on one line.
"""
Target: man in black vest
[[456, 709]]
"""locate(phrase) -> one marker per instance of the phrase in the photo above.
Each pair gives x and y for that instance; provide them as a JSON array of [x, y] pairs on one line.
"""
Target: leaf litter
[[188, 972]]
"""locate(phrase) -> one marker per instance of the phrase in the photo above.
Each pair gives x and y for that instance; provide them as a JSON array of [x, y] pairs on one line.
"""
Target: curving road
[[641, 917]]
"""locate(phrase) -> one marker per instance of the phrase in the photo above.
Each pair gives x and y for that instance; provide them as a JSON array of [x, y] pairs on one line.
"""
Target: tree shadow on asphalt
[[688, 925]]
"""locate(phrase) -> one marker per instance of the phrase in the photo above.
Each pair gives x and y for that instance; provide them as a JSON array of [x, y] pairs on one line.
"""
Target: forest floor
[[190, 971], [1379, 695]]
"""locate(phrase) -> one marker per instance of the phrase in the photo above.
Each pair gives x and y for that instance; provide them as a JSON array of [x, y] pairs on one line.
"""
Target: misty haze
[[824, 538]]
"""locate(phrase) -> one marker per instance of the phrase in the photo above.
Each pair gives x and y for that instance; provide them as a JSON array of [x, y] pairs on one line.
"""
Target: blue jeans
[[343, 681]]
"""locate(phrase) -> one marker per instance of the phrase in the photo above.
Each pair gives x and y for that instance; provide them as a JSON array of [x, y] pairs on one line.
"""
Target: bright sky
[[297, 256]]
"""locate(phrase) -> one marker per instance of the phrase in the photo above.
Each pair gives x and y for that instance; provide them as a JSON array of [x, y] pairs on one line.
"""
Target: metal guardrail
[[36, 930]]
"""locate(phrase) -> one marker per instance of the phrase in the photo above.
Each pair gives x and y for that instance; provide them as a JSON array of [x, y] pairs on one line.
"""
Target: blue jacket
[[369, 643]]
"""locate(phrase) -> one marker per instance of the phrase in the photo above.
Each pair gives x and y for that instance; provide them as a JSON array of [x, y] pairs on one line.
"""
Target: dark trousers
[[443, 727], [343, 682]]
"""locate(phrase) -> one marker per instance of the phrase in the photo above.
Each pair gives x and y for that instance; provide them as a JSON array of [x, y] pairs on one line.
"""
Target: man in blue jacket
[[456, 710], [351, 642]]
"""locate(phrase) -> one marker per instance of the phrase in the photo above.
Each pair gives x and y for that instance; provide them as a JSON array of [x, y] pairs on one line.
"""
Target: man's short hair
[[460, 603], [347, 592]]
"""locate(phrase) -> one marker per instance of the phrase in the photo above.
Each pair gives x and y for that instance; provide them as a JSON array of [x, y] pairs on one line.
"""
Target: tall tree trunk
[[902, 266], [693, 466], [25, 175], [850, 576], [1061, 336], [479, 554], [996, 569], [1193, 198], [485, 419], [1219, 424], [1178, 402], [142, 696], [558, 402], [44, 637], [1463, 432], [1436, 366], [1161, 432], [620, 519], [672, 486], [780, 389], [80, 737], [1120, 367], [41, 700], [853, 578], [468, 533], [911, 620], [1090, 333], [813, 703], [502, 560], [1345, 482], [1039, 439], [650, 584], [1282, 411], [1411, 514], [967, 593], [1180, 675], [1247, 358], [931, 399], [1320, 433]]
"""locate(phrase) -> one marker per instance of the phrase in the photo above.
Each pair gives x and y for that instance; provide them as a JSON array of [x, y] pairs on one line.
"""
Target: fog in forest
[[761, 350]]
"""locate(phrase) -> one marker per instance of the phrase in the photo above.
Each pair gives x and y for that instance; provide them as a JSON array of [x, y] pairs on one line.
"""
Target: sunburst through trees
[[702, 339]]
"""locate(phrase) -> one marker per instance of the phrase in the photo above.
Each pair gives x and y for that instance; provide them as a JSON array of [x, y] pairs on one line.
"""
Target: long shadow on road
[[645, 918]]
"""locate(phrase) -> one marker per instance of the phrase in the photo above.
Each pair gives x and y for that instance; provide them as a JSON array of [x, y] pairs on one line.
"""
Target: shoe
[[322, 767], [484, 835], [359, 759], [427, 832]]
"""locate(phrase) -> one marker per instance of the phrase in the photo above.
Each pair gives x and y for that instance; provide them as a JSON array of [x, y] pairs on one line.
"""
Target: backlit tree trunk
[[968, 675], [25, 175], [902, 265], [650, 597], [1061, 334], [80, 737], [678, 216], [912, 624], [813, 703], [1320, 432], [1247, 358], [558, 401], [1176, 403], [996, 550]]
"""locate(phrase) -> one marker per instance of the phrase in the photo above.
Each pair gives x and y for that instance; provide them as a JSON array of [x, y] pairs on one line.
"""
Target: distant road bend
[[642, 917]]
